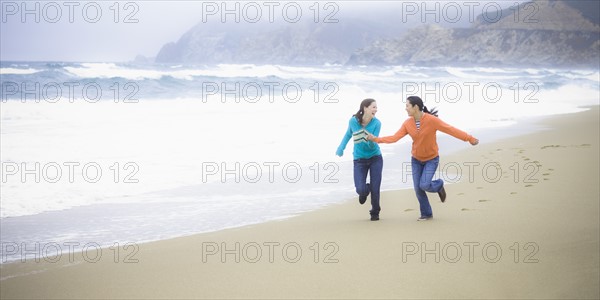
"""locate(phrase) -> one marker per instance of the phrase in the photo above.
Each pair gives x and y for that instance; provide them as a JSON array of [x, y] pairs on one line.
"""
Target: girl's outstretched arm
[[455, 132], [345, 139], [392, 138]]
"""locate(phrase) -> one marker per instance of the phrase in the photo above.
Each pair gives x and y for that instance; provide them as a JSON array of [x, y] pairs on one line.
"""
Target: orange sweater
[[424, 146]]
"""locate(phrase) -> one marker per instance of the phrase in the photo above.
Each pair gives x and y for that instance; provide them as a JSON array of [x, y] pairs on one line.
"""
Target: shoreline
[[491, 239], [453, 148]]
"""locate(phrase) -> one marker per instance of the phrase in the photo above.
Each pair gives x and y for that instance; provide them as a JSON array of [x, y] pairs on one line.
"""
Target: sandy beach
[[522, 223]]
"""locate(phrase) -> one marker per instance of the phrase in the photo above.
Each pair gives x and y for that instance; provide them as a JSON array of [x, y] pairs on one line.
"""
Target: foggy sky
[[100, 31]]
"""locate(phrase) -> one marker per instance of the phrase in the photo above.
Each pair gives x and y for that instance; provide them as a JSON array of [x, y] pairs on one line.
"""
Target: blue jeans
[[422, 173], [373, 166]]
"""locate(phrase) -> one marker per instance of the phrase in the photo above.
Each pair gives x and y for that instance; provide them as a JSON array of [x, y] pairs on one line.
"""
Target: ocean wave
[[17, 71]]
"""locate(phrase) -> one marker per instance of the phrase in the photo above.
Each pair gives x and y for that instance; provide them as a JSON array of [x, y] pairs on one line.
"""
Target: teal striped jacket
[[358, 133]]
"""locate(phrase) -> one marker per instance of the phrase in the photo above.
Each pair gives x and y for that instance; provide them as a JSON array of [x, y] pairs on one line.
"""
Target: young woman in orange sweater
[[422, 126]]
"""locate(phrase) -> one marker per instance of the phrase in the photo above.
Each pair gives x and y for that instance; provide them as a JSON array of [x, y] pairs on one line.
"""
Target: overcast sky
[[97, 31]]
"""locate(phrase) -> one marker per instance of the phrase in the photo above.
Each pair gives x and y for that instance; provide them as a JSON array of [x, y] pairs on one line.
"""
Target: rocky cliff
[[541, 33], [535, 34], [292, 44]]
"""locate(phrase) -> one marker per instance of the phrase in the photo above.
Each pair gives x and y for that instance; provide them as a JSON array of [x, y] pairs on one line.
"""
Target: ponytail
[[433, 111], [415, 100]]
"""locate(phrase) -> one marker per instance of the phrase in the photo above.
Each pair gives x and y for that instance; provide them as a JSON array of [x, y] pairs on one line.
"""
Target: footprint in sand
[[551, 146], [546, 174], [484, 200], [529, 185], [550, 169], [460, 194], [479, 188], [408, 209], [580, 146], [466, 209], [513, 193]]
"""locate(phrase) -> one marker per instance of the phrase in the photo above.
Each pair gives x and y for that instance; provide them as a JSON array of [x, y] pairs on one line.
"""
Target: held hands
[[340, 152]]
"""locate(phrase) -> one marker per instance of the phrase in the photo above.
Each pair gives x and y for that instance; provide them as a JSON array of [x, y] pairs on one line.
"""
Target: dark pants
[[373, 166], [422, 172]]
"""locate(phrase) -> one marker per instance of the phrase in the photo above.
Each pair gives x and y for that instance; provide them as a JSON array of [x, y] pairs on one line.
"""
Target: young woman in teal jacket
[[367, 155]]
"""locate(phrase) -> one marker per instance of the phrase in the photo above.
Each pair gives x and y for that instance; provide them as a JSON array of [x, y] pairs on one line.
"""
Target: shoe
[[442, 194], [425, 218], [363, 199], [374, 218]]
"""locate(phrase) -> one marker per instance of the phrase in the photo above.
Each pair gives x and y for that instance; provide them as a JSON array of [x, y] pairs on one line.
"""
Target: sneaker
[[442, 194], [425, 218], [374, 218], [363, 199]]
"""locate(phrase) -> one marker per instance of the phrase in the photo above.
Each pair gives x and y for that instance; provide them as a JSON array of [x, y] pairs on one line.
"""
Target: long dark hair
[[361, 110], [415, 100]]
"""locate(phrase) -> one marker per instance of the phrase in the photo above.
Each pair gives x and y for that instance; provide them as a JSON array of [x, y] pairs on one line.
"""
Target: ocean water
[[110, 153]]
